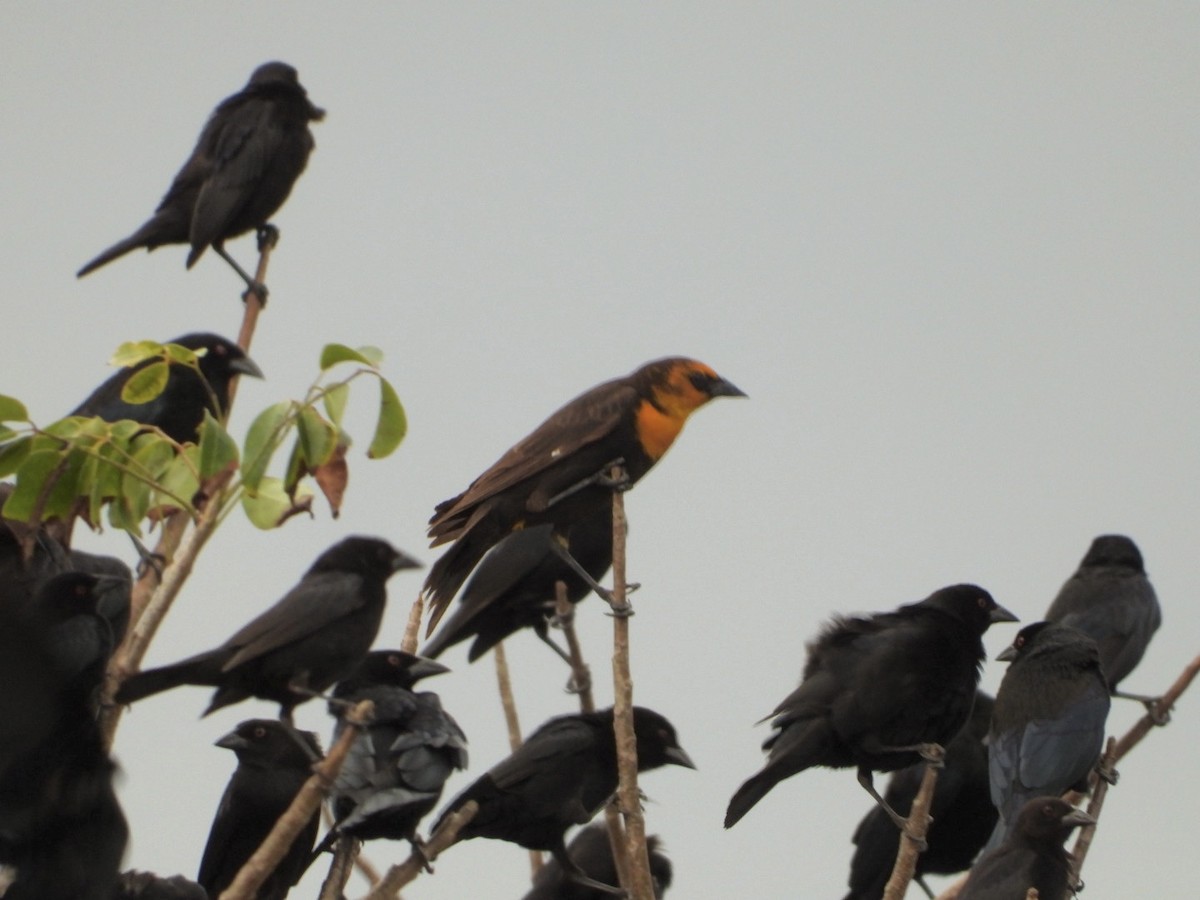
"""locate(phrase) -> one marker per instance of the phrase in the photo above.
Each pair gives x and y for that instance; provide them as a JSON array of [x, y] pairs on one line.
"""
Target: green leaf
[[261, 441], [31, 479], [6, 433], [296, 469], [131, 353], [332, 354], [105, 480], [335, 402], [177, 353], [179, 479], [12, 410], [218, 450], [146, 383], [13, 455], [270, 506], [392, 424], [318, 437]]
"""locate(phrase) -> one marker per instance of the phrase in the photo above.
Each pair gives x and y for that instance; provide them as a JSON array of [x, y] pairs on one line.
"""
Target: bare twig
[[581, 675], [913, 837], [413, 627], [276, 845], [511, 720], [1084, 841], [365, 867], [640, 885], [398, 876], [344, 854]]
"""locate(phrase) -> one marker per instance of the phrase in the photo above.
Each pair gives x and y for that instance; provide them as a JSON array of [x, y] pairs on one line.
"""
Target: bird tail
[[204, 669], [751, 791], [162, 228], [447, 575], [120, 248]]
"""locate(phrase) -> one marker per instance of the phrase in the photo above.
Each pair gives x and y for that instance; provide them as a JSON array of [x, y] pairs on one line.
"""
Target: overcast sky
[[949, 251]]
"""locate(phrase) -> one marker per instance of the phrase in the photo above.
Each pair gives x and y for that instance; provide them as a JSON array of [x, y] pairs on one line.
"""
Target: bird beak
[[723, 388], [404, 561], [1078, 817], [678, 756], [232, 741], [246, 366], [1008, 654], [425, 668], [1000, 614]]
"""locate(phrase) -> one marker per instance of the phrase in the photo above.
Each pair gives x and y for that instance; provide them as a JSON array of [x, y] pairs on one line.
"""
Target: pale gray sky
[[950, 252]]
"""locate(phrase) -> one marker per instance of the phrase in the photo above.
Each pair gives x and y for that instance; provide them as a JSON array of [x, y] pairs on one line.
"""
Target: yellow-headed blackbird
[[556, 474]]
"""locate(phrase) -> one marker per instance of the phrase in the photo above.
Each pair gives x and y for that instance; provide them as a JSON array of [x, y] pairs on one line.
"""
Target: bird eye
[[394, 660], [259, 731], [700, 381], [981, 602]]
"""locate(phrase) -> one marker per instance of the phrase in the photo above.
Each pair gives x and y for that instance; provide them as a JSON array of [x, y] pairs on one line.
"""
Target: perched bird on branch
[[315, 635], [1048, 722], [561, 776], [249, 155], [79, 637], [1110, 599], [1032, 856], [273, 764], [559, 474], [962, 811], [396, 768], [179, 409], [877, 690], [513, 587], [591, 851]]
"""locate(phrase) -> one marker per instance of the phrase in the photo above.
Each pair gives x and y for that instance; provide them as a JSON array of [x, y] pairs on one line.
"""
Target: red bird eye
[[259, 731]]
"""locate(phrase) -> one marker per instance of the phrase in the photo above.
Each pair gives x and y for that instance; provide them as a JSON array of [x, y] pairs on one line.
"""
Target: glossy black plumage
[[246, 160], [395, 771], [513, 587], [179, 409], [561, 776], [591, 851], [1031, 857], [962, 810], [271, 769], [134, 885], [316, 634], [890, 680], [79, 637], [1110, 599], [1048, 722]]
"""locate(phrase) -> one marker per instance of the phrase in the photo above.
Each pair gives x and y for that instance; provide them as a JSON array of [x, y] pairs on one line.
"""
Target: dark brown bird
[[315, 635], [272, 767], [1110, 599], [249, 155], [591, 851], [876, 689], [1032, 856], [514, 586], [558, 474]]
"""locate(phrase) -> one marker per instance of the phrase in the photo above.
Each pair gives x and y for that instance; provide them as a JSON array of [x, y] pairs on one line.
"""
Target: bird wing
[[220, 838], [549, 769], [588, 418], [248, 139], [320, 599], [1056, 753]]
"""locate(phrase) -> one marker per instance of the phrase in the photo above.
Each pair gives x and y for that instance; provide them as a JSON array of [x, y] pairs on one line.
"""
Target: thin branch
[[581, 675], [513, 722], [413, 627], [344, 855], [399, 876], [1084, 841], [912, 839], [640, 885], [276, 845]]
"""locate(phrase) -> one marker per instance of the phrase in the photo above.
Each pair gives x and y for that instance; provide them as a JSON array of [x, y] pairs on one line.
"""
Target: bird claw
[[1107, 773], [933, 754], [624, 611], [579, 685], [921, 843], [256, 288], [1159, 717], [418, 849]]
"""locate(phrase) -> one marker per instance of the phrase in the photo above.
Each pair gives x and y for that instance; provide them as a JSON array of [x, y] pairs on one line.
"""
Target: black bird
[[561, 776], [315, 635], [1031, 857], [79, 637], [962, 810], [513, 587], [1110, 599], [61, 827], [134, 885], [1048, 723], [395, 771], [250, 153], [179, 409], [272, 767], [591, 851], [876, 689]]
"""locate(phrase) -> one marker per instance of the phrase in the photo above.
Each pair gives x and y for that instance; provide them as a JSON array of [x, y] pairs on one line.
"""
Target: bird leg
[[1151, 704], [600, 478], [147, 558], [867, 780], [576, 875], [565, 555], [256, 287], [418, 849], [268, 237], [920, 879]]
